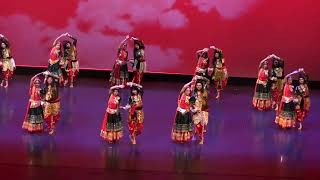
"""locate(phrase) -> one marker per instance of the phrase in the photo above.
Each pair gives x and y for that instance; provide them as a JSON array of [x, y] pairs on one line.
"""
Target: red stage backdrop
[[246, 30]]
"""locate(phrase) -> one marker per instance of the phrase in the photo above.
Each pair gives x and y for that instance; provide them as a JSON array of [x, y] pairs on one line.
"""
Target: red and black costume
[[303, 95], [262, 96], [119, 74], [286, 116], [136, 115], [182, 130], [34, 118], [112, 129], [139, 64]]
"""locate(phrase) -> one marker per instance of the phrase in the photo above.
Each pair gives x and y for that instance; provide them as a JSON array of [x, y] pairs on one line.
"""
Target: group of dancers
[[273, 90], [276, 91], [112, 125], [192, 112], [43, 109]]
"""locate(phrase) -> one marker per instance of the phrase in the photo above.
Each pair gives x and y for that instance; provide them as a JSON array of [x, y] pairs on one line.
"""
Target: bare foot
[[1, 83], [300, 126], [201, 142], [51, 132], [71, 85]]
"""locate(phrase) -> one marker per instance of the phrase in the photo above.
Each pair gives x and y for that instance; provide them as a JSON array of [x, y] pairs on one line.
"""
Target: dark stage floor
[[241, 143]]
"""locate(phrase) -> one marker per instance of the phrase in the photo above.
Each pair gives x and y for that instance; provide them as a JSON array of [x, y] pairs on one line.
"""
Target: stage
[[241, 143]]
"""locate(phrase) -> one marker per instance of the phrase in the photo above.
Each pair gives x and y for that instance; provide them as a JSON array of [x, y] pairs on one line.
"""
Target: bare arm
[[55, 41], [134, 84], [293, 73], [73, 39], [116, 87], [185, 87], [123, 41]]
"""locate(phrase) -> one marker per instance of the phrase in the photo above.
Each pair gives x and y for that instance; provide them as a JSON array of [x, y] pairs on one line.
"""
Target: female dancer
[[277, 75], [182, 130], [303, 95], [262, 95], [70, 64], [139, 63], [51, 100], [201, 115], [7, 62], [286, 116], [136, 116], [220, 75], [202, 69], [119, 74], [55, 62], [33, 121], [112, 129]]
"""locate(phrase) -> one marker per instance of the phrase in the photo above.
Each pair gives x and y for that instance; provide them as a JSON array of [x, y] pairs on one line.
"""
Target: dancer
[[200, 112], [139, 63], [303, 95], [262, 95], [6, 60], [286, 116], [112, 129], [55, 63], [182, 130], [51, 101], [70, 61], [119, 74], [277, 75], [136, 115], [220, 75], [202, 69], [33, 121]]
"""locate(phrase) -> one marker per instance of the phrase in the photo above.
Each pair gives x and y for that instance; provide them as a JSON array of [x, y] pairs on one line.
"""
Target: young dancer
[[6, 61], [182, 130], [220, 74], [51, 101], [34, 119], [136, 115], [55, 63], [119, 74], [286, 116], [112, 128], [262, 99], [70, 62], [139, 62], [277, 75], [200, 114], [303, 95]]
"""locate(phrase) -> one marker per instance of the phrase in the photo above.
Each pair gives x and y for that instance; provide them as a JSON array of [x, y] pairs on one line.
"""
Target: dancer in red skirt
[[182, 130], [136, 115], [286, 116], [119, 74], [6, 61], [34, 119], [303, 95], [262, 99], [112, 129]]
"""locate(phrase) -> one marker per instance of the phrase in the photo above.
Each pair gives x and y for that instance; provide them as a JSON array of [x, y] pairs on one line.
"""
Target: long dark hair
[[280, 63], [6, 42], [221, 56], [139, 90], [139, 43]]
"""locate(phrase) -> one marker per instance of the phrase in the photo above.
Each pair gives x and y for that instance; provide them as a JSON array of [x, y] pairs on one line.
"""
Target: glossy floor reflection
[[241, 143]]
